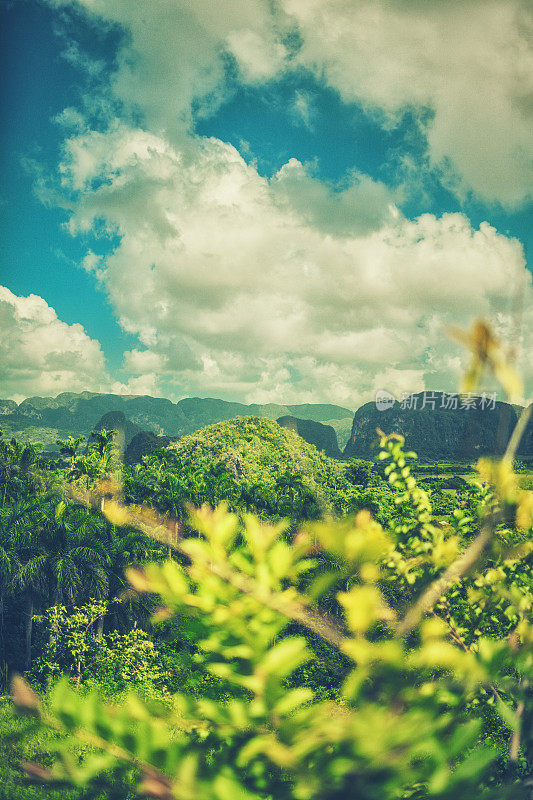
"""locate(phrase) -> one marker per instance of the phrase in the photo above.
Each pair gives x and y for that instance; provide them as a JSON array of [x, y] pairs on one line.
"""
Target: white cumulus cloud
[[469, 63], [289, 288], [237, 285], [40, 354], [465, 66]]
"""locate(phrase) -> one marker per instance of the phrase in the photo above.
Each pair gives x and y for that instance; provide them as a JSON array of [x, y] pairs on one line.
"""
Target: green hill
[[251, 462], [255, 449]]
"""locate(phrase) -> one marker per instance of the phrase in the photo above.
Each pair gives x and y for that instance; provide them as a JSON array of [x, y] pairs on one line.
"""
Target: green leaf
[[292, 700], [227, 787], [286, 656]]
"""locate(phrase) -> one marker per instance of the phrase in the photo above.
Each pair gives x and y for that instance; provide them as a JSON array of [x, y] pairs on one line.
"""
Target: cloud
[[176, 54], [470, 64], [290, 288], [360, 204], [244, 286], [258, 59], [303, 110], [465, 67], [41, 355]]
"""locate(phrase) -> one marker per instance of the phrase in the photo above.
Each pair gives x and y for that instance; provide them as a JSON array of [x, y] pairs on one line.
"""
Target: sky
[[262, 200]]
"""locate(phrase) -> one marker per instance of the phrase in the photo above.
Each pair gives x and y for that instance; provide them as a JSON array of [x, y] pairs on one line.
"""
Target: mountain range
[[435, 425], [47, 419]]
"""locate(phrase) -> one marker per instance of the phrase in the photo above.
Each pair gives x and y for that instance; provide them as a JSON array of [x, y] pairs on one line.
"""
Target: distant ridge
[[323, 437], [46, 419], [433, 431]]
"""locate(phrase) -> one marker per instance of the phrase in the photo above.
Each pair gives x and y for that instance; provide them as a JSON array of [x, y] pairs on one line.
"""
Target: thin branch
[[518, 432], [312, 620], [514, 748], [167, 532], [458, 639], [455, 572]]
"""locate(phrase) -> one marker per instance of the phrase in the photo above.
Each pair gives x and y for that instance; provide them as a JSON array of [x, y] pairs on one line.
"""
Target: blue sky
[[38, 256], [285, 201]]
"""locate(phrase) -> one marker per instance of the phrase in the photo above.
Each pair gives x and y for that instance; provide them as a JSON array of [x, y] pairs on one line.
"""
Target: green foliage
[[77, 648], [365, 652], [361, 473], [21, 741], [53, 551], [101, 461], [19, 470], [430, 708], [69, 447]]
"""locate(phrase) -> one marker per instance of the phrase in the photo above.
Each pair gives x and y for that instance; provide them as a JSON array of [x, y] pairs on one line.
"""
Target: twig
[[458, 639], [518, 432], [454, 633], [514, 748], [455, 572], [312, 620], [166, 531]]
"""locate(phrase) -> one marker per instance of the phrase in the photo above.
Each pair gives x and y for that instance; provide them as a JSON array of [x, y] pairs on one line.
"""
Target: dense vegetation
[[315, 629], [254, 465], [57, 552]]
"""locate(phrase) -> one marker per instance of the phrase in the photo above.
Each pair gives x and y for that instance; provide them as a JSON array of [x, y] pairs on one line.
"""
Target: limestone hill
[[439, 429], [323, 437], [255, 451]]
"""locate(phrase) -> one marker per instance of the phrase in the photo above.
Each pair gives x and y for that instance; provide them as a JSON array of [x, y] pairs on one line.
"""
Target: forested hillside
[[45, 419]]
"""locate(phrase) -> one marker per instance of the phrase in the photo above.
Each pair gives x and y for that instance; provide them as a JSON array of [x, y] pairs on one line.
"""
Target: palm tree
[[17, 477], [62, 557], [158, 485], [101, 459], [73, 539], [69, 447], [28, 579], [288, 489], [124, 547], [102, 439], [9, 561]]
